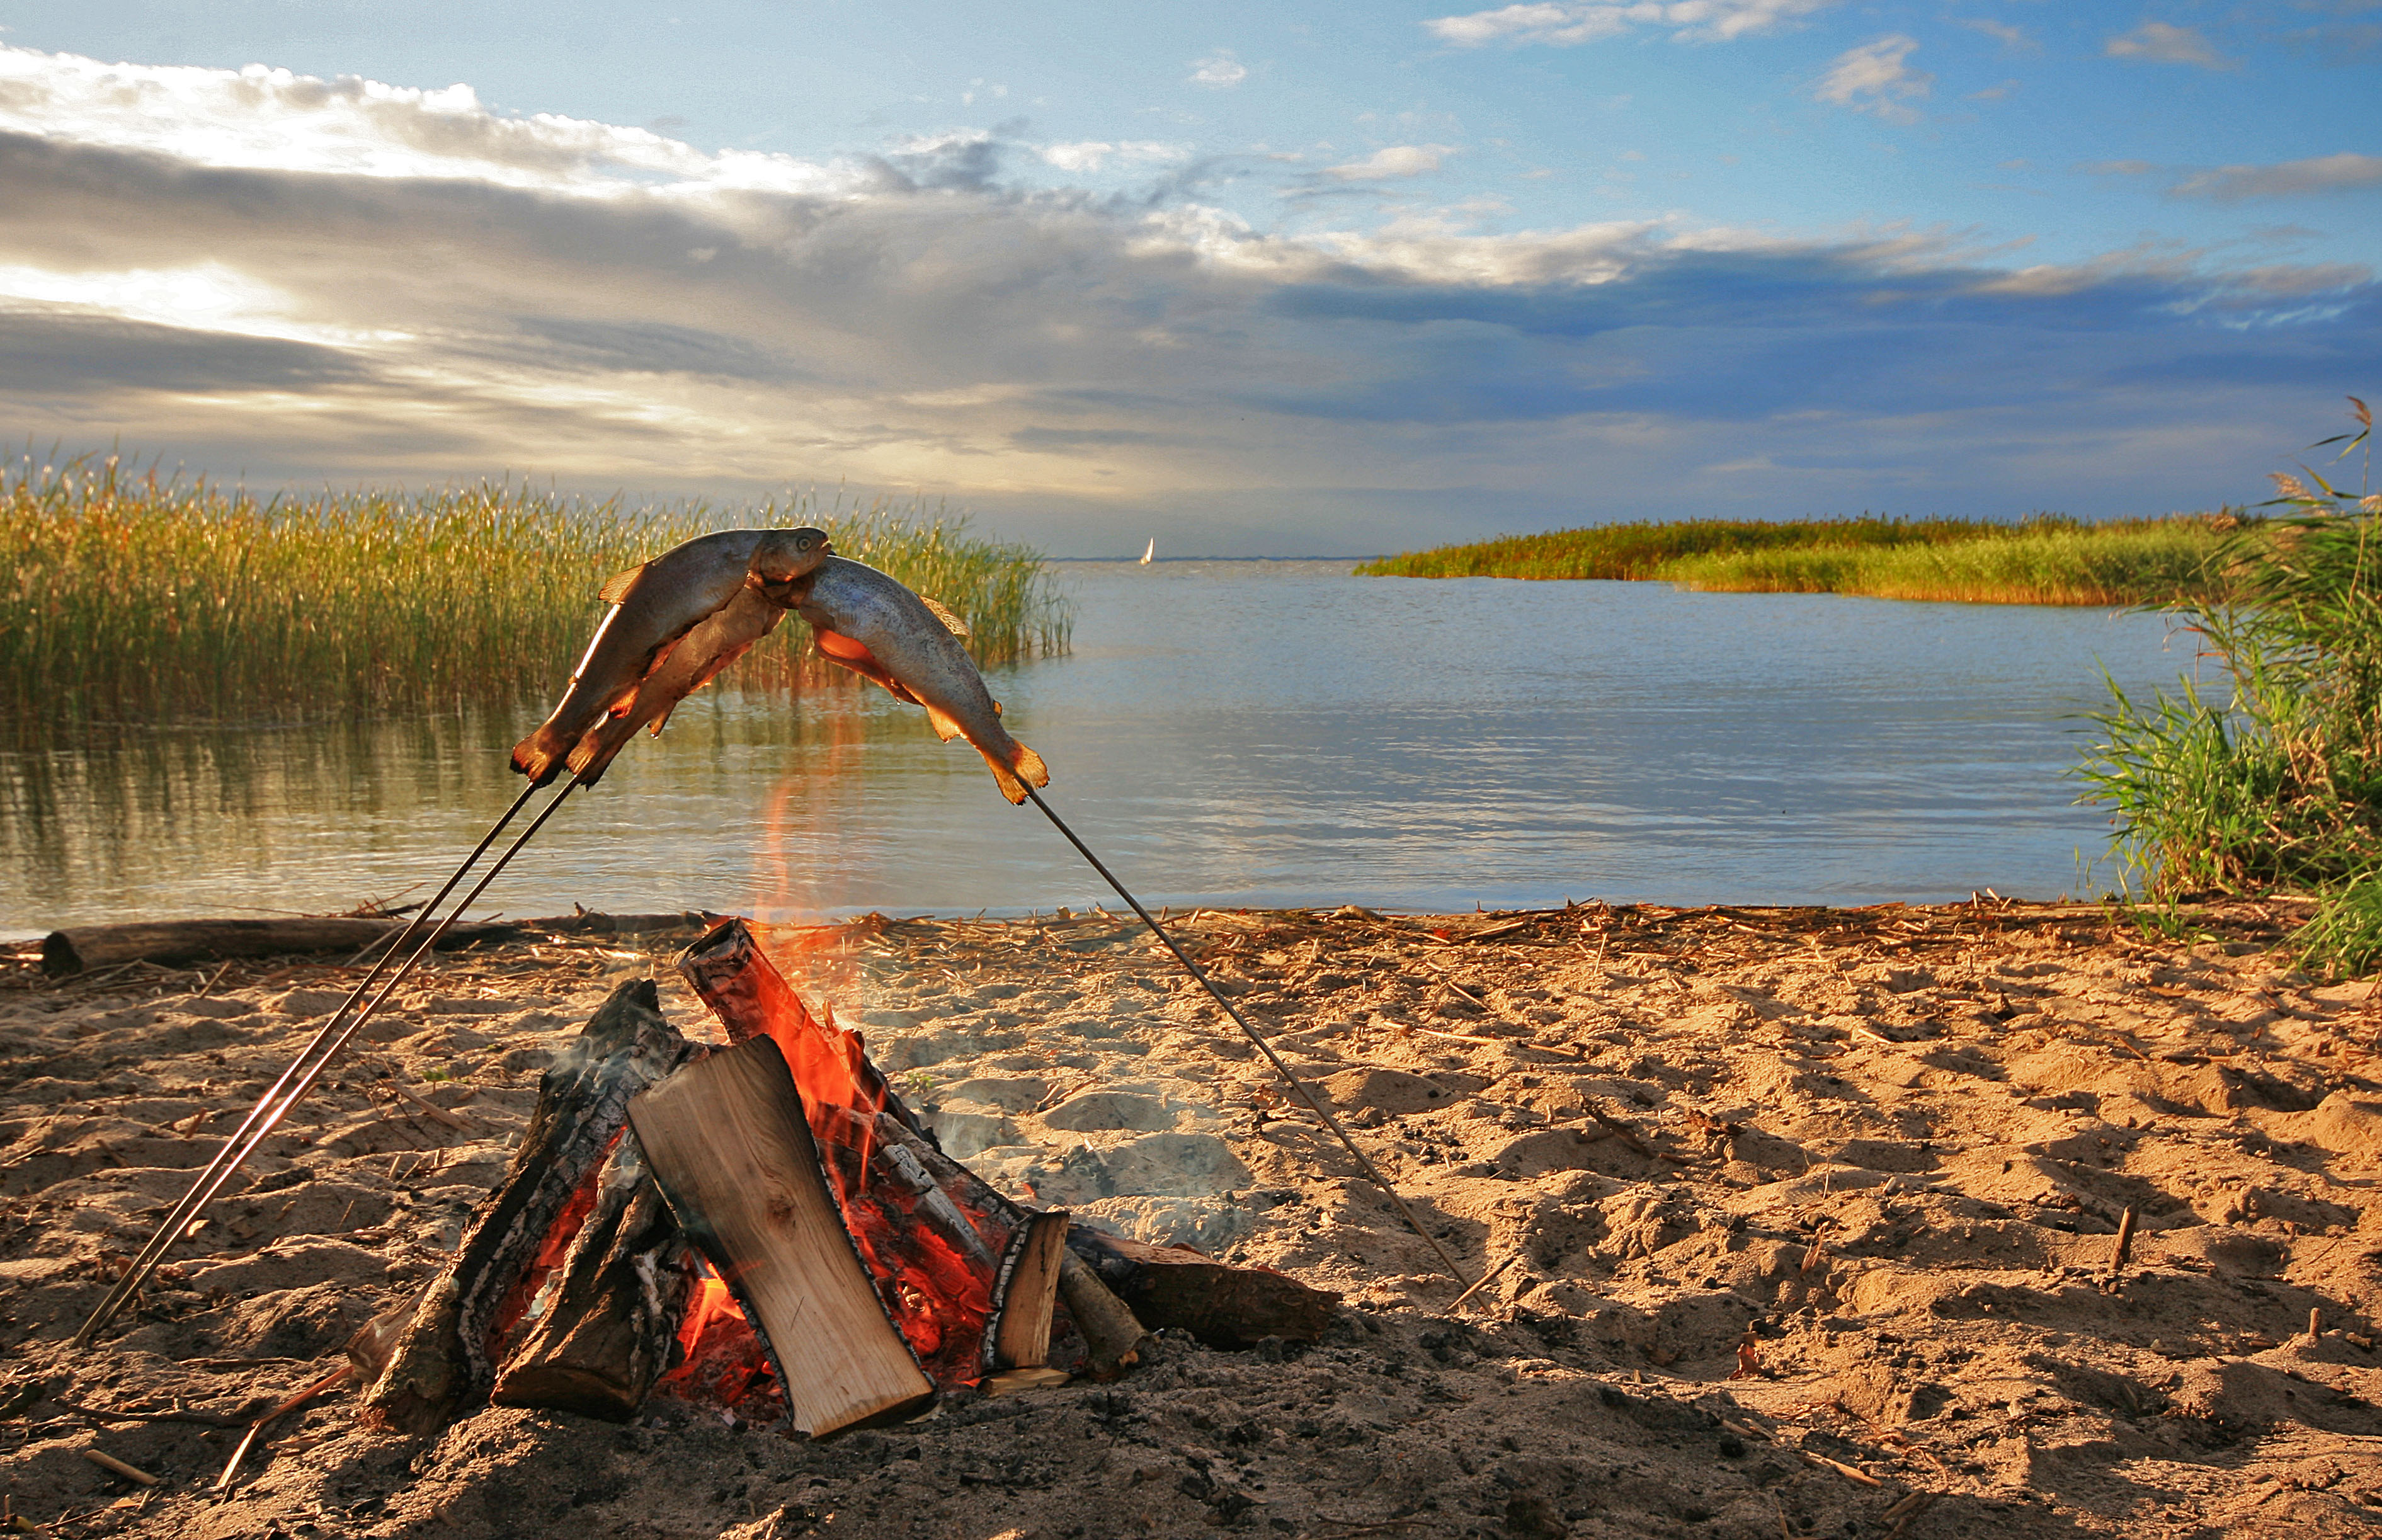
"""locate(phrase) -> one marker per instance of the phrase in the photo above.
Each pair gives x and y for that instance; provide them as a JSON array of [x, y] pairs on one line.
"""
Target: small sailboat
[[1151, 551]]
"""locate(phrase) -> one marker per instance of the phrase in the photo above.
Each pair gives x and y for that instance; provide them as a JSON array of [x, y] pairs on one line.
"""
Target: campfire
[[766, 1231]]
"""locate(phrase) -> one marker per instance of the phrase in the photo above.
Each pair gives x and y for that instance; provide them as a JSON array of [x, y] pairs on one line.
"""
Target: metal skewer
[[1288, 1076], [312, 1061]]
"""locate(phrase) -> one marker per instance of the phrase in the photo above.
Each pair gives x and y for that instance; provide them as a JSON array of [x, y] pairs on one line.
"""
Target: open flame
[[932, 1256]]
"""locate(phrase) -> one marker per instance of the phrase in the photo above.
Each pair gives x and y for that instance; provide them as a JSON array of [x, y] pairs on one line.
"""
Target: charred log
[[443, 1361], [606, 1321], [1222, 1305]]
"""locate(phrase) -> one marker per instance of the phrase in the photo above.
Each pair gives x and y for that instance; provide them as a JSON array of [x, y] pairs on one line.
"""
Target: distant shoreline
[[2046, 560]]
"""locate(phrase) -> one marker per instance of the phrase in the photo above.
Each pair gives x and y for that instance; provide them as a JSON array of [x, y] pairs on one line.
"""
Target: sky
[[1266, 279]]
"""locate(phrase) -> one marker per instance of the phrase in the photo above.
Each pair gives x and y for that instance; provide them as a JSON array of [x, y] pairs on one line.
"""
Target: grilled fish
[[720, 638], [653, 607], [874, 626]]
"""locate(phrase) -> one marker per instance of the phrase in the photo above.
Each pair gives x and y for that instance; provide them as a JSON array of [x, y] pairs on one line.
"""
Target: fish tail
[[538, 757], [1013, 777]]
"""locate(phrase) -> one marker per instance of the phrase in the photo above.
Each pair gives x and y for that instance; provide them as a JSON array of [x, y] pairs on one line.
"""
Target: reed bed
[[128, 597], [2046, 560], [2276, 786]]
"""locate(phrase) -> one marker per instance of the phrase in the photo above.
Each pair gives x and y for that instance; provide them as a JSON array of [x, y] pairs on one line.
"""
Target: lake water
[[1267, 732]]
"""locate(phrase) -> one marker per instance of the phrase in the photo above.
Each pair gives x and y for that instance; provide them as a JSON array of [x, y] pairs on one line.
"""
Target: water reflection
[[1226, 731]]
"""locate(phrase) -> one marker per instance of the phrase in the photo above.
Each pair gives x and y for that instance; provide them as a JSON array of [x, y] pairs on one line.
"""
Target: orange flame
[[930, 1255]]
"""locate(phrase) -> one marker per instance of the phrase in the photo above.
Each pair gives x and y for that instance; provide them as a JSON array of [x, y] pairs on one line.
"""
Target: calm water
[[1230, 732]]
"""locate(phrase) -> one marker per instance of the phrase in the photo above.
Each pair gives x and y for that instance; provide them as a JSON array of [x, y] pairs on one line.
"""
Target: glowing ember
[[721, 1362]]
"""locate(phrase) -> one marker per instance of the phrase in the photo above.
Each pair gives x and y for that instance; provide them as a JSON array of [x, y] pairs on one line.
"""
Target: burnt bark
[[442, 1362], [607, 1318]]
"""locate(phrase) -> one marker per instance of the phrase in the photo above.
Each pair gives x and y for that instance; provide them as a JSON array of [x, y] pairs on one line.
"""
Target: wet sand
[[1808, 1216]]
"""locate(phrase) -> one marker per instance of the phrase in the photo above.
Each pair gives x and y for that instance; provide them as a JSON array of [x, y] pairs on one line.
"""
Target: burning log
[[931, 1233], [734, 1154], [446, 1356], [607, 1319]]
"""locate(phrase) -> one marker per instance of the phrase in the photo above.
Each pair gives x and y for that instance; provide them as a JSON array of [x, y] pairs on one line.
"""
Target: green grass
[[130, 598], [2277, 783], [2046, 560]]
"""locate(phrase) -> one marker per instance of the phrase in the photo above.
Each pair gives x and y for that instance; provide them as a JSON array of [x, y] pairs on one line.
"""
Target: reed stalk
[[126, 595], [2277, 782]]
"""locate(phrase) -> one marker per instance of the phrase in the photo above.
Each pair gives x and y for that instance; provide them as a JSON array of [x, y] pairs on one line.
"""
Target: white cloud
[[1218, 71], [2158, 43], [1091, 155], [2338, 173], [1397, 160], [1877, 78], [2015, 39], [1567, 23]]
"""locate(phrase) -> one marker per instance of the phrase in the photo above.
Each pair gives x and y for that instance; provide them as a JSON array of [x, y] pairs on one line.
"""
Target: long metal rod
[[308, 1067], [210, 1181], [1288, 1076]]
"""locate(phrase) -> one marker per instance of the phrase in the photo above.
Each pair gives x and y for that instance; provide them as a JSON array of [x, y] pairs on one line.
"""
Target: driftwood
[[445, 1360], [1222, 1305], [606, 1320], [732, 1151], [81, 948]]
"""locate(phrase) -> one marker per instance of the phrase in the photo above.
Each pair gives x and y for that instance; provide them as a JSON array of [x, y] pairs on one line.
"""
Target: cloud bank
[[307, 280], [1565, 25]]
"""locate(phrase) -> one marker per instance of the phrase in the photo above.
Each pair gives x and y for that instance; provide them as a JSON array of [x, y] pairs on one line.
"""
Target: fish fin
[[1030, 766], [944, 727], [615, 587], [952, 622], [655, 731], [1014, 781]]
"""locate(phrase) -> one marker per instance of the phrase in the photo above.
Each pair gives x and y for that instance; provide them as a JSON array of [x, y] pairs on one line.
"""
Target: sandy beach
[[1809, 1221]]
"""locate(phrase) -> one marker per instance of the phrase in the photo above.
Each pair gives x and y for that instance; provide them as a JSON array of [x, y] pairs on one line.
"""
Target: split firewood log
[[445, 1361]]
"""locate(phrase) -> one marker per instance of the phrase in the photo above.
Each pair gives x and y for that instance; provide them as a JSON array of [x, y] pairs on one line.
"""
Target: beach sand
[[1870, 1161]]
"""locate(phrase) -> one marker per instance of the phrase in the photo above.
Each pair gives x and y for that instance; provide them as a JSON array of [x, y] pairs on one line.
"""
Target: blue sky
[[1256, 279]]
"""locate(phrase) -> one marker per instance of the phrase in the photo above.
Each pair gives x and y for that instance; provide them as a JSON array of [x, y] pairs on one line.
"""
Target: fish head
[[785, 557]]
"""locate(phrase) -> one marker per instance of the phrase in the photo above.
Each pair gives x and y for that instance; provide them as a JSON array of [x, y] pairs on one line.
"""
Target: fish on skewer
[[873, 625], [723, 636], [654, 606]]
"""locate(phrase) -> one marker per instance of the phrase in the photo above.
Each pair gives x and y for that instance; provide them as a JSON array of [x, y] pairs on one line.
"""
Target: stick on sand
[[1289, 1079], [308, 1067]]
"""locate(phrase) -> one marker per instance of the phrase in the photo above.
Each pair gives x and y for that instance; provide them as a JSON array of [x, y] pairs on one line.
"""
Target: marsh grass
[[2278, 784], [128, 596], [2046, 560]]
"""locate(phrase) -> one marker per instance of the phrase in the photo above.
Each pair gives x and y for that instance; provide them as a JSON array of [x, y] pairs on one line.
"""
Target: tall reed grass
[[2046, 560], [2279, 786], [127, 597]]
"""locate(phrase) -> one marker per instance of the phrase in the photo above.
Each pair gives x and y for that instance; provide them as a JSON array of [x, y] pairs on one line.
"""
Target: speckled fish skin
[[723, 636], [917, 659], [665, 599]]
